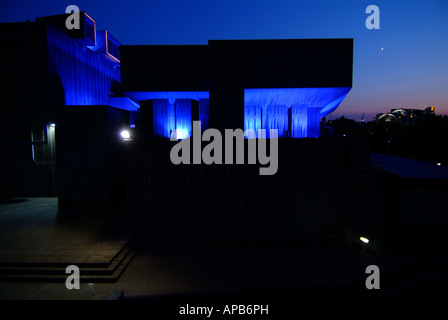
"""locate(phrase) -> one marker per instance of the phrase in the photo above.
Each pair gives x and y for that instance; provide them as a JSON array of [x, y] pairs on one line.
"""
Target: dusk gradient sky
[[410, 72]]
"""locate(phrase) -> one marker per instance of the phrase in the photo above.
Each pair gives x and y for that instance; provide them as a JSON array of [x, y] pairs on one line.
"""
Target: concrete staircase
[[51, 268], [39, 239]]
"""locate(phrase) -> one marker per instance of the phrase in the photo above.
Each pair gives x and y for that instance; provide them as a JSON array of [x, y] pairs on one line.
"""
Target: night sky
[[404, 64]]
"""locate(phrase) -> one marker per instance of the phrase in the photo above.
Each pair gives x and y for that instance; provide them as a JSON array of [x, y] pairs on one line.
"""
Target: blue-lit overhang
[[124, 103], [326, 99], [171, 96], [267, 108], [172, 110]]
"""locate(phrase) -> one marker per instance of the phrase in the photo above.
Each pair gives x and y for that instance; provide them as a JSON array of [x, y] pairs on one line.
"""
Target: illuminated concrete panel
[[268, 109]]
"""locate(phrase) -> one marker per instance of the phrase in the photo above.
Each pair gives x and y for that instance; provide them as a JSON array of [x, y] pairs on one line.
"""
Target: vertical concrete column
[[183, 116], [277, 118], [162, 117], [204, 112], [313, 122], [252, 118], [299, 118]]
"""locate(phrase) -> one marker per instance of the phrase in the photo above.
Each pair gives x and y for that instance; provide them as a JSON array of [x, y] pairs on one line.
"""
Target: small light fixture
[[439, 164], [365, 240], [125, 134]]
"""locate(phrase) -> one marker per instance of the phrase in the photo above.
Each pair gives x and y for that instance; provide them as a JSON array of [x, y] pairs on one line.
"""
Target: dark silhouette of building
[[46, 71], [90, 121], [405, 117], [86, 119]]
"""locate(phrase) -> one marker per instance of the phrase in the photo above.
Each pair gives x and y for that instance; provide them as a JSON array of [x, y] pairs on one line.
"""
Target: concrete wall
[[90, 158]]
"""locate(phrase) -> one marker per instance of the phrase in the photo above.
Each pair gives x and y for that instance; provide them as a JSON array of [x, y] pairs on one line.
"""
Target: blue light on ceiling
[[123, 103], [269, 108]]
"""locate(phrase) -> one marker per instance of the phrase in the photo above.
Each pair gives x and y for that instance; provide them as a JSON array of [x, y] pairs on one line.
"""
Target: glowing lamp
[[365, 240], [125, 134]]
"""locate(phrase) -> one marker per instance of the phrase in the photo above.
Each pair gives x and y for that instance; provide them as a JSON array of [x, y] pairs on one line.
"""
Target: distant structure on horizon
[[405, 116]]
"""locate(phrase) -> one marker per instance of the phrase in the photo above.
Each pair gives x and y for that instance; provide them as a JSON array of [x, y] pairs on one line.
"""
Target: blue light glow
[[276, 117], [163, 117], [299, 121], [204, 112], [86, 77], [179, 134], [183, 117], [172, 110], [170, 118], [252, 118], [268, 109], [123, 103]]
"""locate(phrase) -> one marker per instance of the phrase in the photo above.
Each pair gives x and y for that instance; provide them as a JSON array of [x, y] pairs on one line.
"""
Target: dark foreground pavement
[[212, 270]]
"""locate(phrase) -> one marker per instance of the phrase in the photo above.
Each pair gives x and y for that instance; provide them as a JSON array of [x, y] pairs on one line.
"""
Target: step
[[55, 272], [77, 257], [95, 277], [59, 268]]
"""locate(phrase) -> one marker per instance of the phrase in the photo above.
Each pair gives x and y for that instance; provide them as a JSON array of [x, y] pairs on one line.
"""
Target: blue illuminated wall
[[172, 110], [163, 117], [263, 109], [269, 109], [204, 112], [86, 77], [183, 118], [168, 117]]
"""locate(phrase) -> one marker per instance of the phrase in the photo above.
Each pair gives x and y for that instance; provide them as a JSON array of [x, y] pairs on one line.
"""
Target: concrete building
[[95, 122]]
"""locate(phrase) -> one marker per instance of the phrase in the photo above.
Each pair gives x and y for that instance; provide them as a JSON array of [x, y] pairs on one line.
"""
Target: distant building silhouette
[[405, 117]]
